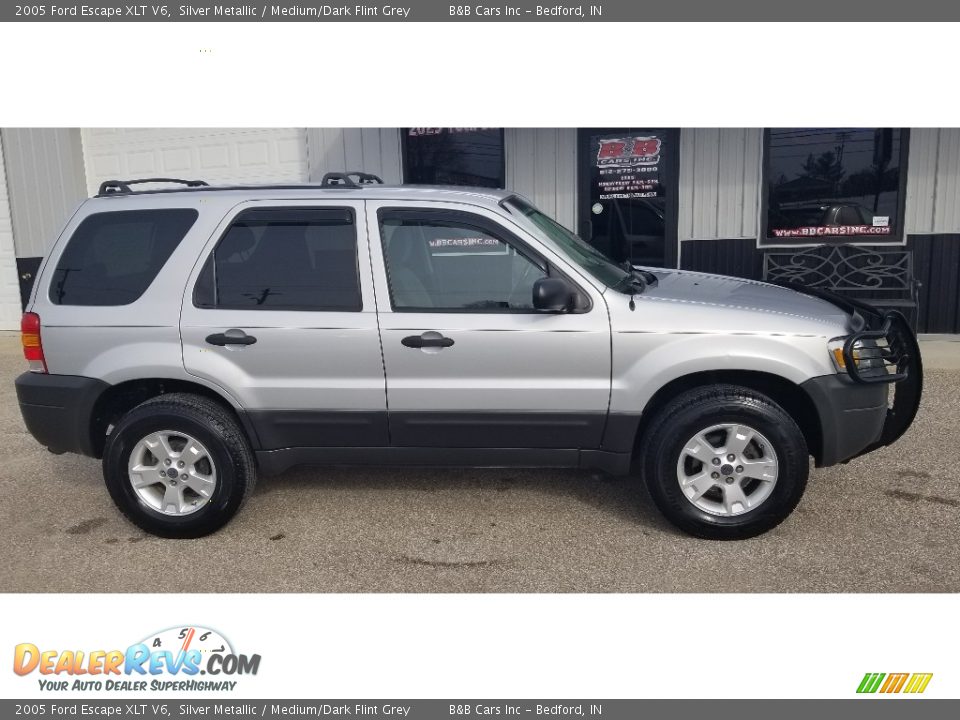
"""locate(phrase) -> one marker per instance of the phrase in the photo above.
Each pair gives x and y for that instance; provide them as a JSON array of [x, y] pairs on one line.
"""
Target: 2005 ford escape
[[194, 337]]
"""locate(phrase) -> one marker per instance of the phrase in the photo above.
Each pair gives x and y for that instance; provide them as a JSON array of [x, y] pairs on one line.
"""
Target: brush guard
[[887, 341]]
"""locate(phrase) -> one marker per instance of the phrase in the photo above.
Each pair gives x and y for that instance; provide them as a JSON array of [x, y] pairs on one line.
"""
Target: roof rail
[[346, 179], [115, 187]]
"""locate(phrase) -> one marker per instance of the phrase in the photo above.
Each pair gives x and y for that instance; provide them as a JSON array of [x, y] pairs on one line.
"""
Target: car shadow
[[623, 498]]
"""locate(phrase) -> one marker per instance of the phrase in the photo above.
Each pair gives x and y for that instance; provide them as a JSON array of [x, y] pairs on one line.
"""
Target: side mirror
[[552, 294]]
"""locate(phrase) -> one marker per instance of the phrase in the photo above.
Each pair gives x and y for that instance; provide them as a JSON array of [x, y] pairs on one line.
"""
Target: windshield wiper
[[635, 279]]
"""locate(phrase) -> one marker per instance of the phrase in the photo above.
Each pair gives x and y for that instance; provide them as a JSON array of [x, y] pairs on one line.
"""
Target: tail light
[[32, 347]]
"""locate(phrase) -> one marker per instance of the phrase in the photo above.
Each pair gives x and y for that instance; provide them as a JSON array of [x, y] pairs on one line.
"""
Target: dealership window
[[454, 156], [834, 185]]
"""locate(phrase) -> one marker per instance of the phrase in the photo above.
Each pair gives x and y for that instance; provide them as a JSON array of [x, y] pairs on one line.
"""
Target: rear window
[[284, 259], [114, 256]]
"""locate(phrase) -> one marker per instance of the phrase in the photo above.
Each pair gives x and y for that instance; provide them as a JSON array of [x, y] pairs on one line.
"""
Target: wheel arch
[[117, 400], [790, 396]]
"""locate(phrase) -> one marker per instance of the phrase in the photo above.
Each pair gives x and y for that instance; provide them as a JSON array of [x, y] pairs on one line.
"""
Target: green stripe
[[876, 684], [871, 682]]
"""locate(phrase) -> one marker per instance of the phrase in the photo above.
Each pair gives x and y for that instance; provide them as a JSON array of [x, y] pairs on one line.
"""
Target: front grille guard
[[882, 355], [886, 339], [899, 354]]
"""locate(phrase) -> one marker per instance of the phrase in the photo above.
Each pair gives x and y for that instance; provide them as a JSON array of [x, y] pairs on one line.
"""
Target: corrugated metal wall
[[719, 183], [542, 165], [46, 181], [373, 150], [933, 181], [9, 284]]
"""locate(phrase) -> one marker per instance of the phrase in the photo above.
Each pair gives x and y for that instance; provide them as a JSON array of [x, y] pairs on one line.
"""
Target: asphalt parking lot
[[887, 522]]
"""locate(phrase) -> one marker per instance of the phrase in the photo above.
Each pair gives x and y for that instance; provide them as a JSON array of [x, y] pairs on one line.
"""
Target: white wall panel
[[719, 183], [217, 155], [45, 182], [372, 150], [933, 181], [542, 165], [9, 284]]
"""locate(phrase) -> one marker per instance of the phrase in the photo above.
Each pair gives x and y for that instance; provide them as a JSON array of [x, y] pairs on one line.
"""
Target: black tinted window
[[454, 156], [834, 184], [114, 256], [284, 259]]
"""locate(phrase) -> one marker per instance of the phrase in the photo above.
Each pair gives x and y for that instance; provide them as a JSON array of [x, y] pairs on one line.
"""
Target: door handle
[[233, 336], [427, 340]]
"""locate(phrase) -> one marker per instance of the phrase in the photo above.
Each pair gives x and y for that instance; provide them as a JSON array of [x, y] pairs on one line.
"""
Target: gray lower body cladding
[[851, 415], [57, 410], [477, 439]]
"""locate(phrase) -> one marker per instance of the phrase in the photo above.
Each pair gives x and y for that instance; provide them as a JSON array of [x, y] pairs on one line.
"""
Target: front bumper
[[851, 416], [58, 410], [855, 413]]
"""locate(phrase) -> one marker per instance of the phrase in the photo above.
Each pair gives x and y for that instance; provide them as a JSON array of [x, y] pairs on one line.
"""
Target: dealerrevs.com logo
[[180, 659], [893, 683]]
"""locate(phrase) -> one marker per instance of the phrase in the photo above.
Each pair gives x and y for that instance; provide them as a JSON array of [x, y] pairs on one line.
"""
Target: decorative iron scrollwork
[[843, 268]]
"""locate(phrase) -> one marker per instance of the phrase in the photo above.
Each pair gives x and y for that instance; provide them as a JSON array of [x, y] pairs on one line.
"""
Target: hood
[[700, 302]]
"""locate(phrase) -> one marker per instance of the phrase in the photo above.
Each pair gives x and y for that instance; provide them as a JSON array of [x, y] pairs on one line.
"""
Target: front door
[[469, 362], [281, 313], [628, 194]]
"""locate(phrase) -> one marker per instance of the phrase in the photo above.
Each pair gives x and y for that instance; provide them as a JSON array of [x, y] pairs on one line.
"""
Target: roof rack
[[350, 180], [114, 187], [346, 179]]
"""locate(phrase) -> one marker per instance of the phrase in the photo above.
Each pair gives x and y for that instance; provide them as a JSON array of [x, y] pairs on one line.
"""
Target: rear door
[[469, 362], [280, 313]]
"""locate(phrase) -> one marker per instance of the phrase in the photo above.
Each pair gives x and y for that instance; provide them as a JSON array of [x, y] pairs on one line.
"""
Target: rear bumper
[[57, 410]]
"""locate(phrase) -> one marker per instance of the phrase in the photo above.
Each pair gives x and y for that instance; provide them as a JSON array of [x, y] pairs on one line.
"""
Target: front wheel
[[178, 466], [724, 462]]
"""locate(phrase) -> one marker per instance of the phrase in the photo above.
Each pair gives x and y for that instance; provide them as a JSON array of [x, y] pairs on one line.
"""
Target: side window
[[113, 257], [284, 259], [447, 262]]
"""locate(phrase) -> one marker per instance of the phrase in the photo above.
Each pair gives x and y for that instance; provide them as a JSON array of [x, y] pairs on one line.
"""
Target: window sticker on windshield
[[881, 220]]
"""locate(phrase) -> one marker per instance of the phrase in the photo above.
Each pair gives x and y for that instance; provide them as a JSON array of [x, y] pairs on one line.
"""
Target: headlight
[[866, 354]]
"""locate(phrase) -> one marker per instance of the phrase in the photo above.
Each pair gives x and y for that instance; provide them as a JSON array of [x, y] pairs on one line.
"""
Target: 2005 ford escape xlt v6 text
[[196, 336]]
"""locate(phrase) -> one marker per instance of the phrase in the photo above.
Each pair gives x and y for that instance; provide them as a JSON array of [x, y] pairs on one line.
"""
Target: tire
[[676, 476], [225, 464]]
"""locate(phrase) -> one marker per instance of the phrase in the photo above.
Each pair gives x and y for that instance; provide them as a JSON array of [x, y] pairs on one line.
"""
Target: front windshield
[[586, 256]]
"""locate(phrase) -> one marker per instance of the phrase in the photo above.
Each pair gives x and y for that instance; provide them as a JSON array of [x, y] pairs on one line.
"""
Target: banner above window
[[454, 156], [834, 185]]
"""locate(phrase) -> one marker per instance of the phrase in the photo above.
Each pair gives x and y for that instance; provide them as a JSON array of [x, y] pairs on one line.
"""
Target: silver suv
[[195, 337]]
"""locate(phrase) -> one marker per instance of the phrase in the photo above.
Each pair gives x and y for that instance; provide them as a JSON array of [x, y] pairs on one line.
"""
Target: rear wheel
[[178, 466], [724, 462]]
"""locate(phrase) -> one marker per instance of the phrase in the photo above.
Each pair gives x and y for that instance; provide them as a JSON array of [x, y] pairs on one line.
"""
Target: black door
[[628, 193]]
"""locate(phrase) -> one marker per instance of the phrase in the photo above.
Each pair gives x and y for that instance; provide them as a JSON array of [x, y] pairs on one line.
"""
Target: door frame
[[470, 417], [355, 416], [670, 164]]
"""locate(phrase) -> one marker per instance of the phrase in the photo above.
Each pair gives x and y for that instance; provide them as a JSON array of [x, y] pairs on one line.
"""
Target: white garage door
[[217, 155], [9, 284]]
